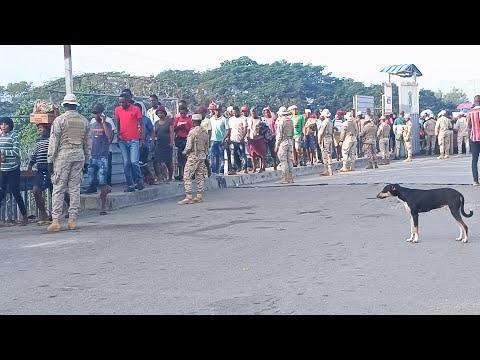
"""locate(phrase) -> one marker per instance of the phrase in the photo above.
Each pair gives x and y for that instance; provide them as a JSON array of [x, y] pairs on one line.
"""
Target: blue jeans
[[98, 166], [217, 157], [130, 153], [238, 155]]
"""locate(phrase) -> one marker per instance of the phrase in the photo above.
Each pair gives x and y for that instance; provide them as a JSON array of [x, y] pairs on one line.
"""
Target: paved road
[[319, 246]]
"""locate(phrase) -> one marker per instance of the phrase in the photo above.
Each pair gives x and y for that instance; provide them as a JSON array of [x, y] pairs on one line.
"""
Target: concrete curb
[[120, 200]]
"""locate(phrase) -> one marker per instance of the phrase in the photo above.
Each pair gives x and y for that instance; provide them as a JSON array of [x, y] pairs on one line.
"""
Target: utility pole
[[67, 51]]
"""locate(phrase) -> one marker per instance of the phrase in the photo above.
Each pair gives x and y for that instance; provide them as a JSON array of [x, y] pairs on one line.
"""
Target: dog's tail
[[463, 208]]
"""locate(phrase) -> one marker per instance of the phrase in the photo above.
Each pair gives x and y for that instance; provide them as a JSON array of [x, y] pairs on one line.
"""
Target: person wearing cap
[[131, 130], [462, 134], [325, 139], [69, 151], [10, 165], [368, 136], [99, 109], [220, 132], [359, 120], [299, 123], [383, 134], [442, 128], [348, 142], [163, 152], [430, 137], [98, 169], [407, 138], [196, 150], [284, 144], [311, 135]]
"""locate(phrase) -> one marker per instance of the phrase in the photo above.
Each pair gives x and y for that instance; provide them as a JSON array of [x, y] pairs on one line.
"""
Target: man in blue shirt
[[102, 136], [147, 141]]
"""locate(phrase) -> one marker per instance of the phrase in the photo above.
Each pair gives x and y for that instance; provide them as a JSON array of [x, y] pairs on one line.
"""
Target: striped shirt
[[39, 157], [473, 121], [10, 148]]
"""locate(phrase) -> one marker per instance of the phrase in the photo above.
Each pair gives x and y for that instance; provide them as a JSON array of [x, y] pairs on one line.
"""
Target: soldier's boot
[[330, 170], [325, 171], [375, 164], [198, 198], [54, 226], [370, 165], [408, 159], [344, 167], [387, 161], [188, 200], [72, 224], [352, 166], [290, 179]]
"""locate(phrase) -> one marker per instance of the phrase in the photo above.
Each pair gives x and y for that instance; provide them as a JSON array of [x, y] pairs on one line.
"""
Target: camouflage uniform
[[69, 150], [325, 139], [407, 138], [429, 127], [441, 130], [196, 151], [462, 136], [348, 137], [369, 139], [383, 134], [284, 142]]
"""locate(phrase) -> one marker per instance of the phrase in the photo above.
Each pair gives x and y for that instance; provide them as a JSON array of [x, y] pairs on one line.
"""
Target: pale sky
[[443, 66]]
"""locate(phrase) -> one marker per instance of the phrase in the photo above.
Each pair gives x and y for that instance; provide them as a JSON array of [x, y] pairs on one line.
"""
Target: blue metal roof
[[404, 70]]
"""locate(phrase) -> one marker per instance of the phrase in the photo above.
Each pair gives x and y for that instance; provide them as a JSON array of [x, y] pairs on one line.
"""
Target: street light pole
[[67, 51]]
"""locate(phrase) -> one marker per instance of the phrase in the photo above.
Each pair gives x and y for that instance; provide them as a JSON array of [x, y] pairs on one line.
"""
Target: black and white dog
[[417, 201]]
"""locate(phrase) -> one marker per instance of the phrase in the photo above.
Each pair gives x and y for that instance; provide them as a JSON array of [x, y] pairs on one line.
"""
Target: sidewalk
[[118, 199]]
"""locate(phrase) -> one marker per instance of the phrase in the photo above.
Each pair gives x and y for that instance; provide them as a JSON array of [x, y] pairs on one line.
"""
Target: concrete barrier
[[119, 199]]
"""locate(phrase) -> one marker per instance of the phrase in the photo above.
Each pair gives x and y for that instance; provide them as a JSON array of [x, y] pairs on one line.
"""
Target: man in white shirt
[[238, 130], [152, 112]]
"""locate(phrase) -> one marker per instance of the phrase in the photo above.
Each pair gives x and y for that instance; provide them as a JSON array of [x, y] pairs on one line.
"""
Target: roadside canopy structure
[[404, 70], [463, 106]]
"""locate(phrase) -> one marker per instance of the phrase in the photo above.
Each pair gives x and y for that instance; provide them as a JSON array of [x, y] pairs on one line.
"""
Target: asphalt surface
[[323, 245]]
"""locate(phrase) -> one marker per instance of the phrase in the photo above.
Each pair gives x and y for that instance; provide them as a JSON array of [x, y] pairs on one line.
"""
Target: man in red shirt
[[131, 130], [181, 126], [473, 121]]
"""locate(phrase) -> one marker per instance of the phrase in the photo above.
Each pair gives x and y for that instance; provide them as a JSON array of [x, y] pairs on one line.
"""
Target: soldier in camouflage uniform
[[369, 140], [441, 130], [407, 138], [348, 141], [284, 144], [68, 157], [383, 134], [196, 151], [429, 127], [462, 136], [325, 139]]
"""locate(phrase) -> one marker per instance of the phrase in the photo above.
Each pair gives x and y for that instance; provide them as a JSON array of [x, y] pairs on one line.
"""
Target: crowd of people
[[203, 139]]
